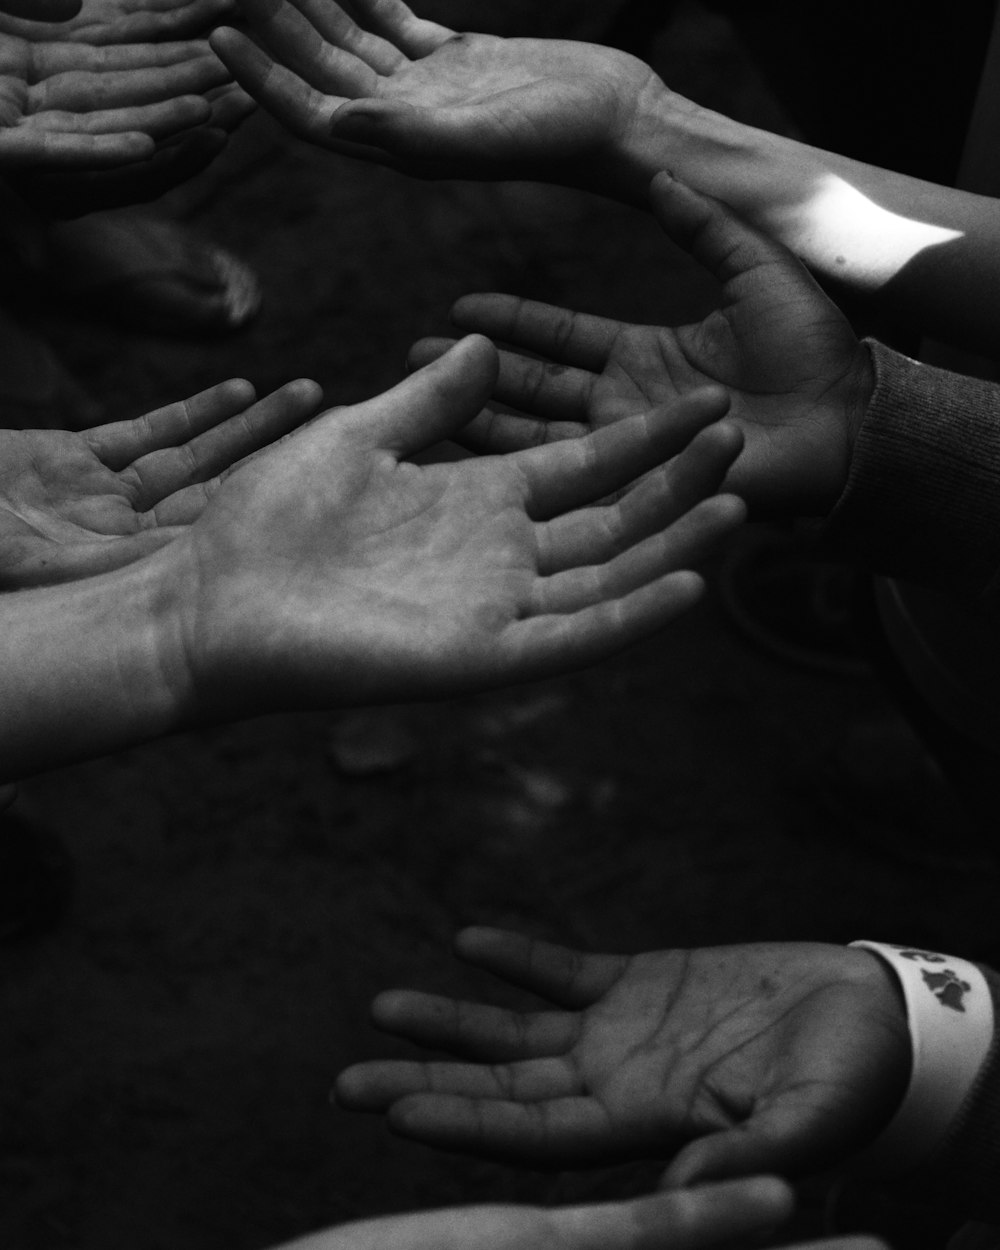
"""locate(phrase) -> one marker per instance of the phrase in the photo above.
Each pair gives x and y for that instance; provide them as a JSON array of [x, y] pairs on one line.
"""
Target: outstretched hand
[[71, 106], [72, 505], [414, 95], [744, 1058], [797, 376], [332, 569]]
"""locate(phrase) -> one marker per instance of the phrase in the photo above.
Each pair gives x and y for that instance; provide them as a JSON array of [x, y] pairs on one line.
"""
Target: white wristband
[[950, 1014]]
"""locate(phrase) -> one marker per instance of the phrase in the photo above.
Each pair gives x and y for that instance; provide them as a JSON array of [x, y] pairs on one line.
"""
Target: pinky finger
[[29, 148], [546, 645]]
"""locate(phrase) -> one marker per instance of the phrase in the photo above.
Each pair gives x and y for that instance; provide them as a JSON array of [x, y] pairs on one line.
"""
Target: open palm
[[70, 106], [771, 1057], [417, 96], [72, 505], [348, 573], [791, 362]]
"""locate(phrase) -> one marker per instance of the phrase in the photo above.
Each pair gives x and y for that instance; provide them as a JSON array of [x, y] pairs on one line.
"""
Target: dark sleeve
[[922, 499]]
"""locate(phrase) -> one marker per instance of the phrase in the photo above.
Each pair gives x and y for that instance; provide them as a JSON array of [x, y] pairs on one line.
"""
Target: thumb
[[408, 131], [711, 231], [430, 405], [781, 1139]]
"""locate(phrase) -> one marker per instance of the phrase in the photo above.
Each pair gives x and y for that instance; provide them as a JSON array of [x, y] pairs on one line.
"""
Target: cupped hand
[[412, 94], [743, 1058], [72, 505], [71, 106], [797, 377], [696, 1219], [334, 570]]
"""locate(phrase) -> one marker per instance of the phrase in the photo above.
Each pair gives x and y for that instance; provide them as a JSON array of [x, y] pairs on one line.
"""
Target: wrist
[[81, 669]]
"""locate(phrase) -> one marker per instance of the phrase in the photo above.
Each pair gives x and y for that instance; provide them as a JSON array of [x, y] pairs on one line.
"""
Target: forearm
[[929, 252], [81, 669]]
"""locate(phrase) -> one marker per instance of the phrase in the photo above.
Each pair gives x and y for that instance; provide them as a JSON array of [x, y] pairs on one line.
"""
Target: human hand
[[777, 1057], [72, 505], [61, 195], [99, 22], [694, 1219], [414, 95], [332, 570], [71, 107], [797, 376]]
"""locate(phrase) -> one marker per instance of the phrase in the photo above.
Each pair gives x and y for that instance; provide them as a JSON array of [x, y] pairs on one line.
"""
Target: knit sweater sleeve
[[922, 499], [964, 1171]]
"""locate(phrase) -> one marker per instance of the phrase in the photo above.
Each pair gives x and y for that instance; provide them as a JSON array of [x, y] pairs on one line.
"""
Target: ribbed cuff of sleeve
[[922, 499]]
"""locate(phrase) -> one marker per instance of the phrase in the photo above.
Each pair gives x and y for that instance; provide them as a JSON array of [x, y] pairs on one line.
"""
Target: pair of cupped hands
[[110, 102], [338, 570]]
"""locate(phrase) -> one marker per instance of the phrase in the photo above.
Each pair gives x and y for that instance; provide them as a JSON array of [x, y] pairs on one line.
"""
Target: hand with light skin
[[732, 1060], [74, 107], [797, 377], [76, 504], [710, 1216], [331, 570], [414, 95]]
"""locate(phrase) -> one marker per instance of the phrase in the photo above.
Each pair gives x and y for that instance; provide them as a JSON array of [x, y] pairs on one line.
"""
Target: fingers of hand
[[575, 472], [159, 121], [545, 645], [694, 1219], [86, 92], [496, 433], [296, 43], [474, 1030], [550, 1134], [338, 28], [34, 147], [683, 546], [119, 443], [224, 442], [377, 1086], [568, 338], [710, 231], [661, 504], [540, 387], [393, 20], [570, 978], [307, 112]]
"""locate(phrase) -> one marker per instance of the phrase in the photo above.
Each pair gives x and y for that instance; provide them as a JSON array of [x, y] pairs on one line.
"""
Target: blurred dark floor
[[242, 893]]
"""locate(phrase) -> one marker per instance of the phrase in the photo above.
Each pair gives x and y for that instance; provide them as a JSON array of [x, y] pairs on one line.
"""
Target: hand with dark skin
[[74, 107], [72, 505], [414, 95], [732, 1060], [797, 377]]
